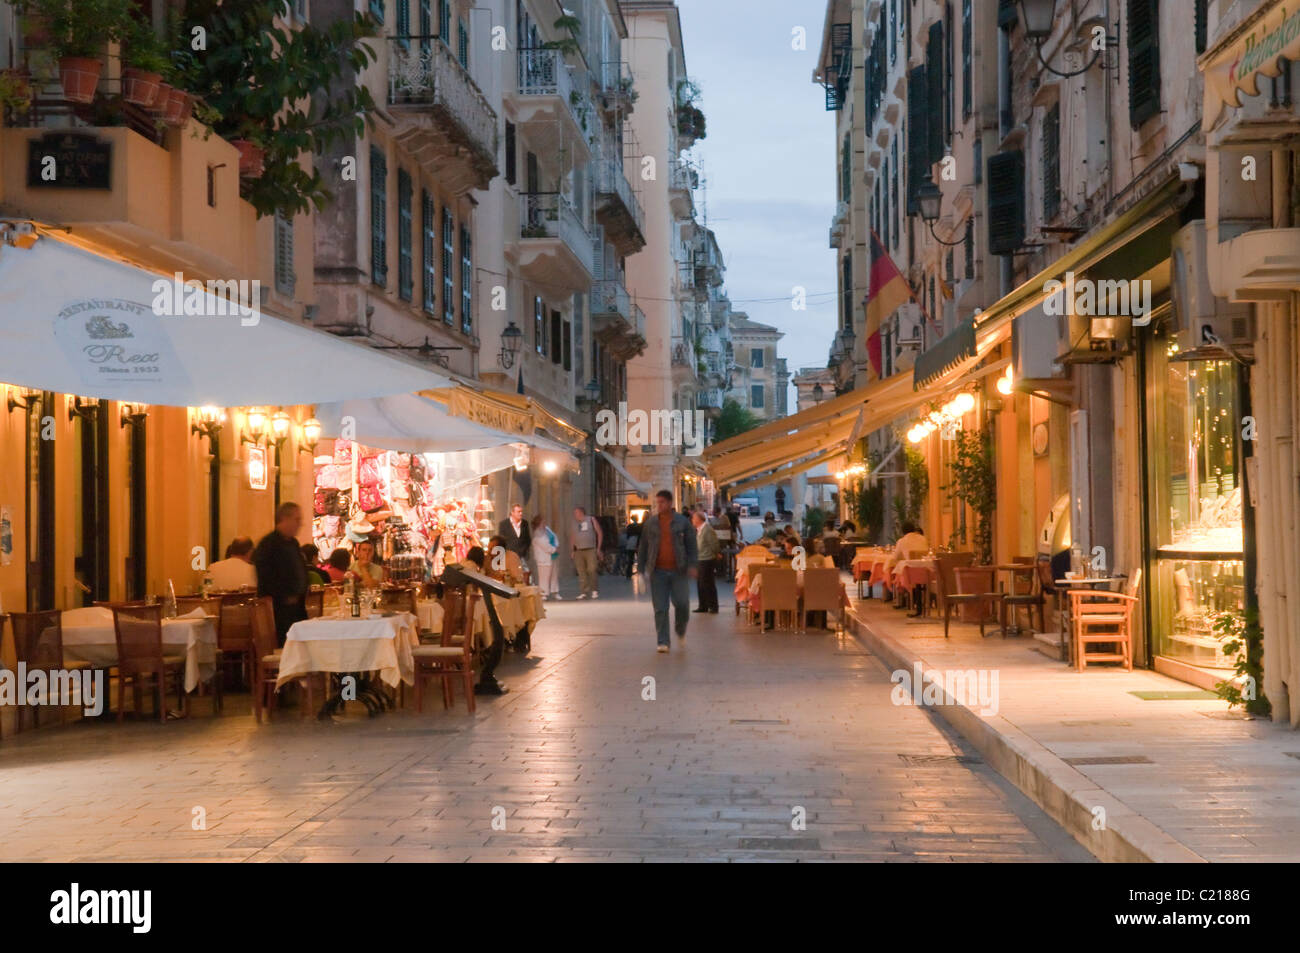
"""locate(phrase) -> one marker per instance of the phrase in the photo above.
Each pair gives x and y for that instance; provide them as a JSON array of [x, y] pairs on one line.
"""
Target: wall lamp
[[208, 422], [930, 199], [132, 415], [309, 436], [512, 340], [281, 423], [591, 394], [256, 424], [21, 397], [85, 409], [1039, 17]]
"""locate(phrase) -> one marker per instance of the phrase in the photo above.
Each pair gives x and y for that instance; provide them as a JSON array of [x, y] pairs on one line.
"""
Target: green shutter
[[1201, 14], [918, 143], [378, 218], [934, 76], [1143, 61], [429, 281], [1006, 191], [405, 271]]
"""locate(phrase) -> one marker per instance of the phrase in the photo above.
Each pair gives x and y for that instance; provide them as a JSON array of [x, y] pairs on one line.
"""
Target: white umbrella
[[76, 322]]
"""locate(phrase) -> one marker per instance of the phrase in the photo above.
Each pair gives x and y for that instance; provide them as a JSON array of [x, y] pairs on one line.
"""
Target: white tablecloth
[[528, 609], [378, 643], [88, 636]]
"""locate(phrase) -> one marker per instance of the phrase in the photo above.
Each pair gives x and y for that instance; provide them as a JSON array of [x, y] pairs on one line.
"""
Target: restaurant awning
[[633, 484], [512, 413], [77, 322], [946, 354], [1252, 49], [407, 423]]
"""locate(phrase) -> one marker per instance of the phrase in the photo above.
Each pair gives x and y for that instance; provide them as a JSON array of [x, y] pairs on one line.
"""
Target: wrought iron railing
[[423, 70], [610, 297], [551, 215], [681, 177], [683, 354], [611, 180]]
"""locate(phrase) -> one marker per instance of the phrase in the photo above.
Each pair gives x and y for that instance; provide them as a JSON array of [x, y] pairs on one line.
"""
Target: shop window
[[466, 281], [1194, 467], [429, 254], [378, 218], [405, 226], [448, 268], [1143, 60]]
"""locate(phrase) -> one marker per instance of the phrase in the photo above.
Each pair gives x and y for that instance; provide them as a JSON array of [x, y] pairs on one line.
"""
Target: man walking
[[668, 555], [281, 572], [585, 539], [709, 549], [517, 534]]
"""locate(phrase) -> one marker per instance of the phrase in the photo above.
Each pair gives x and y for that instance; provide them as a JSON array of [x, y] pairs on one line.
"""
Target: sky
[[769, 163]]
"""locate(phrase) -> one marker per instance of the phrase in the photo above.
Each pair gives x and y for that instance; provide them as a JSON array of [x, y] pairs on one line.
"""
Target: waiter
[[281, 570]]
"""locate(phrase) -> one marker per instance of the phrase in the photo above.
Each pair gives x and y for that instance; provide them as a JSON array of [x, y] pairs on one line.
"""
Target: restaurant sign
[[489, 413], [69, 160], [1234, 69], [115, 340]]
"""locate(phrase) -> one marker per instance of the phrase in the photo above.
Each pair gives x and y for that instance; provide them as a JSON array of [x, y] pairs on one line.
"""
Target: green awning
[[948, 353]]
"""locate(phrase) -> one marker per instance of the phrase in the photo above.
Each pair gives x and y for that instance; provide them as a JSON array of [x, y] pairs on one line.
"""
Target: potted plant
[[79, 30], [148, 61], [15, 90], [251, 143]]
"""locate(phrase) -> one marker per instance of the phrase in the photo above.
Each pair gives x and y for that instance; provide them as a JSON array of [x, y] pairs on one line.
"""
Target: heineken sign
[[69, 160]]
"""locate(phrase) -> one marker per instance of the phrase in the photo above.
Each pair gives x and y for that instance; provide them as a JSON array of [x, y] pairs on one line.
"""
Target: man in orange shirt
[[669, 539]]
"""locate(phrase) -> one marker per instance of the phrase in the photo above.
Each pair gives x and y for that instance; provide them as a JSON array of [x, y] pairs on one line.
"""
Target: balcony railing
[[682, 177], [611, 180], [610, 297], [423, 70], [683, 354], [709, 399], [551, 215]]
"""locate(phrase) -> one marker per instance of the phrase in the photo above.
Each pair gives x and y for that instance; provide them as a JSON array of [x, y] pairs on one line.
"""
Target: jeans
[[708, 586], [677, 586]]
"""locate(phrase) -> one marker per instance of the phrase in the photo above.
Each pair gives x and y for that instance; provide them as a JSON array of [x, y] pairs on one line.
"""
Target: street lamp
[[512, 340], [1039, 17], [930, 200], [310, 435], [818, 393]]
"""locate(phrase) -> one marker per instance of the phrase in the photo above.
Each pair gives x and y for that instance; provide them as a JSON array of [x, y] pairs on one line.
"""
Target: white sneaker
[[595, 595], [557, 597], [663, 649], [582, 595]]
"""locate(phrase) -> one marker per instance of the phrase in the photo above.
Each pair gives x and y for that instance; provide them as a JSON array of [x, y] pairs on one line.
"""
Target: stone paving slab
[[1217, 785], [575, 764]]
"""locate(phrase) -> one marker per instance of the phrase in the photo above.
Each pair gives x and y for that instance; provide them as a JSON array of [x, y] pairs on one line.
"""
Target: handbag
[[417, 472], [326, 502], [327, 477], [343, 453], [368, 474], [369, 499]]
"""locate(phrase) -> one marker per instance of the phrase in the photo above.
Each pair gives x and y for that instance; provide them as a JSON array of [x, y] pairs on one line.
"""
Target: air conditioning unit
[[1205, 326]]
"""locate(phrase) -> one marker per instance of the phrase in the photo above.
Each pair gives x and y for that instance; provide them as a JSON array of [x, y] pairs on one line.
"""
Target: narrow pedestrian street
[[746, 732]]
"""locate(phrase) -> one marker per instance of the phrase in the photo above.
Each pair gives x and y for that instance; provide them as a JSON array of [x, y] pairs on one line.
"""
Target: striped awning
[[950, 352]]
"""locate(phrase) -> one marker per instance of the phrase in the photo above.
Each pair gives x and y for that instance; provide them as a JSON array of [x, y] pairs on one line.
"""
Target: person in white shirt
[[546, 546], [236, 571], [911, 542]]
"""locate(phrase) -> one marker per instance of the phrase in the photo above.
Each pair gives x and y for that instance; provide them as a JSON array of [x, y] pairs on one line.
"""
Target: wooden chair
[[140, 659], [235, 633], [394, 599], [1104, 618], [1035, 598], [38, 642], [314, 603], [780, 592], [755, 572], [946, 590], [823, 591], [454, 658], [266, 662]]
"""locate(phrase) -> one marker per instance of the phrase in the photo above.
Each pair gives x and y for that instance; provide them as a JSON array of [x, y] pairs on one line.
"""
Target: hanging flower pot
[[178, 108], [252, 158], [80, 77], [140, 86]]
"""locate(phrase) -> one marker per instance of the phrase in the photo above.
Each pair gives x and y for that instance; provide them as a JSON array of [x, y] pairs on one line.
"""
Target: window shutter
[[405, 269], [1006, 191], [1143, 61], [378, 218], [466, 281], [444, 21], [1201, 14], [568, 346], [429, 253], [1008, 15], [284, 277], [935, 78], [448, 268], [539, 326], [1052, 163], [403, 26], [426, 23], [462, 44], [512, 150], [918, 145], [557, 338]]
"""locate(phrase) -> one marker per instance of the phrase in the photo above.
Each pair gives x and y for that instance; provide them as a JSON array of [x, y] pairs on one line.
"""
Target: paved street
[[745, 732]]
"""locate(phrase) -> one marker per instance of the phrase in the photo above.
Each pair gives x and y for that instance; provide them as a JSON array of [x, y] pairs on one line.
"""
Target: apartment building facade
[[760, 381]]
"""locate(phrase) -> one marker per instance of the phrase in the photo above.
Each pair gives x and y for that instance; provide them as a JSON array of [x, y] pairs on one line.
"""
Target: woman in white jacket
[[545, 550]]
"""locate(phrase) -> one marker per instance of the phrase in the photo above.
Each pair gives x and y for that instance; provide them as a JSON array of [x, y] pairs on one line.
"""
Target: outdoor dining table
[[339, 644], [515, 614], [756, 593], [89, 636]]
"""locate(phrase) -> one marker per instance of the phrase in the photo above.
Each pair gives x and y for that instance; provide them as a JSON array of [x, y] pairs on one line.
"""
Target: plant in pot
[[79, 31], [15, 91], [250, 140], [148, 62]]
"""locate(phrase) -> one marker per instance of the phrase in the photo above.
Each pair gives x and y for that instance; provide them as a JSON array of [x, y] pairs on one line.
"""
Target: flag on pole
[[887, 291]]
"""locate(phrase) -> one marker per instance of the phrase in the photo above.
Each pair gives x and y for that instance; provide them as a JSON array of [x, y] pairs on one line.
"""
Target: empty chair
[[314, 603], [947, 591], [1104, 618], [141, 659], [822, 592], [38, 642], [235, 634], [755, 573], [454, 658], [780, 593], [266, 662], [1036, 598]]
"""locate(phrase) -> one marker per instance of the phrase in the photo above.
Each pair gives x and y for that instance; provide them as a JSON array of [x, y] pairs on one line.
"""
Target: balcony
[[550, 107], [440, 115], [617, 208], [682, 182], [617, 97], [710, 401], [615, 321], [684, 363], [554, 248], [839, 224]]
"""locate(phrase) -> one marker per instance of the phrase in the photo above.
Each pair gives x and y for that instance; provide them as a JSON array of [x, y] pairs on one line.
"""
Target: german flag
[[888, 290]]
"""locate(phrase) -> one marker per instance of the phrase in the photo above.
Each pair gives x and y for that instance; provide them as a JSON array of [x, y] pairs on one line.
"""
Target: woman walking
[[545, 548]]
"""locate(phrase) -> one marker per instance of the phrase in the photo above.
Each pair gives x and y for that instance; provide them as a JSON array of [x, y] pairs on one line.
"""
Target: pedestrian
[[491, 656], [631, 540], [585, 540], [281, 572], [668, 556], [236, 570], [546, 549], [514, 530], [708, 550]]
